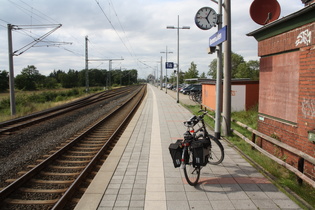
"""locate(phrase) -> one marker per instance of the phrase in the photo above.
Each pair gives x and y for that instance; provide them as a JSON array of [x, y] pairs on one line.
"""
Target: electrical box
[[311, 136], [211, 50]]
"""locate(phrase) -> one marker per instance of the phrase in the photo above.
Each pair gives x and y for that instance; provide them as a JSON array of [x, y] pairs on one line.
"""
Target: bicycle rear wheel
[[192, 173], [216, 154]]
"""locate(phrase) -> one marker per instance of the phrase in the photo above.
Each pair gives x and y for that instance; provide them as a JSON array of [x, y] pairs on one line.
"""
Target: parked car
[[186, 90], [169, 86], [196, 88], [183, 87], [193, 87]]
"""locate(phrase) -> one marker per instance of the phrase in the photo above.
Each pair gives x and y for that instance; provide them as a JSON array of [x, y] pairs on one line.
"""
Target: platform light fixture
[[173, 27]]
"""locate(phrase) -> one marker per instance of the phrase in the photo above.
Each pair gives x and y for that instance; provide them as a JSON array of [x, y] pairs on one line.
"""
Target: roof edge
[[283, 20]]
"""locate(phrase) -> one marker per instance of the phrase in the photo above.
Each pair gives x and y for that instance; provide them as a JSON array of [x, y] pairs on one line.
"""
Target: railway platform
[[139, 173]]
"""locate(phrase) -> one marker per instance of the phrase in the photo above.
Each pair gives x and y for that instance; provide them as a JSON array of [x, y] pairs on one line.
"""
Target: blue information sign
[[218, 37], [169, 65]]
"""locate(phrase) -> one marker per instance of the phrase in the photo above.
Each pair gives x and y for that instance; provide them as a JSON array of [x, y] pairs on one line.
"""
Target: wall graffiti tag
[[304, 37], [308, 108]]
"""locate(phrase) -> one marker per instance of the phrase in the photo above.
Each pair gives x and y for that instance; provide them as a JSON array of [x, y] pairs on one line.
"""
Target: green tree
[[213, 69], [192, 72], [29, 79], [57, 75], [254, 66], [236, 61], [240, 68], [248, 69], [203, 75], [70, 80], [50, 83], [4, 80]]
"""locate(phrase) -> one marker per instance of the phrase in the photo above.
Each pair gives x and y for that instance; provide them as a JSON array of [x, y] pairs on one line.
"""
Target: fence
[[302, 156]]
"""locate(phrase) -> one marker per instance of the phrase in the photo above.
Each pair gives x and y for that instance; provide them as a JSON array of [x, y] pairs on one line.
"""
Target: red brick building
[[287, 84]]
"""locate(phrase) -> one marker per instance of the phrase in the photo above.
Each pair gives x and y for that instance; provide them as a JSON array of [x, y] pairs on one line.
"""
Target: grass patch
[[283, 177], [28, 102]]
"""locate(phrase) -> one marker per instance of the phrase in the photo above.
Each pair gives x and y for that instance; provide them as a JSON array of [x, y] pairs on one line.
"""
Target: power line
[[43, 15], [122, 41], [37, 40], [122, 28], [131, 51], [29, 10]]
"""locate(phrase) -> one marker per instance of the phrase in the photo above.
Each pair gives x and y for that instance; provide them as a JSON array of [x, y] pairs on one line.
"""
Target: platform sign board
[[169, 65], [218, 37]]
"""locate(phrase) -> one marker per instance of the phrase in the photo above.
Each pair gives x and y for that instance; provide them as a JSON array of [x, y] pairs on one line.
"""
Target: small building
[[244, 94], [287, 84]]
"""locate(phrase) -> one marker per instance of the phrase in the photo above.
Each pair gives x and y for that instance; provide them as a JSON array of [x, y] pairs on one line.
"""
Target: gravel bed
[[24, 147]]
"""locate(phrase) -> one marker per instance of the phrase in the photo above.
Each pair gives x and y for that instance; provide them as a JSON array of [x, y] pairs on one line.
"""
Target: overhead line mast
[[23, 49], [108, 80]]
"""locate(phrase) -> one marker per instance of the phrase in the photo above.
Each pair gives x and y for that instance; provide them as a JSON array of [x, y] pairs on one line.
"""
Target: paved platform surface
[[139, 173]]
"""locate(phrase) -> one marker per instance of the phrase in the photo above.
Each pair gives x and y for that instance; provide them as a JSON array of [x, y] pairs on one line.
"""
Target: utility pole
[[21, 51], [108, 80], [226, 123], [166, 52], [86, 65], [11, 74], [173, 27], [217, 129], [161, 78]]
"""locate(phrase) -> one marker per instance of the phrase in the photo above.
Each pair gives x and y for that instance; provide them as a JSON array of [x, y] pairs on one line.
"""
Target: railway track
[[11, 126], [52, 183]]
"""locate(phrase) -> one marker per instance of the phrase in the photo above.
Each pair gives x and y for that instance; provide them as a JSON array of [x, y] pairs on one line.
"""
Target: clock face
[[206, 18]]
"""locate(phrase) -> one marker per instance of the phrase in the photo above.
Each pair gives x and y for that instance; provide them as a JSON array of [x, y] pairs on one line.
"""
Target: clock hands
[[208, 18], [205, 18]]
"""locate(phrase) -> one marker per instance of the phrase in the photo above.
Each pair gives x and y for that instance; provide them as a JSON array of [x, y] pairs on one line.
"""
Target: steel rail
[[75, 185], [28, 120], [34, 171]]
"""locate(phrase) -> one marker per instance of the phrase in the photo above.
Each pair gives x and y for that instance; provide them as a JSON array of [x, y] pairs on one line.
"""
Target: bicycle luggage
[[176, 152], [200, 150]]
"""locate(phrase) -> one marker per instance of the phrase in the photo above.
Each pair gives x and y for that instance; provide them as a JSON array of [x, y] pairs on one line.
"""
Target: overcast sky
[[134, 30]]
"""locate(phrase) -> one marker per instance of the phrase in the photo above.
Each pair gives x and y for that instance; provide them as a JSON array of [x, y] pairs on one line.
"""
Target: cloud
[[135, 30]]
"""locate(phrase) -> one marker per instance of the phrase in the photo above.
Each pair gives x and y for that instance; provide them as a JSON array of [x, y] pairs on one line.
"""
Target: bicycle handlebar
[[203, 114], [195, 119]]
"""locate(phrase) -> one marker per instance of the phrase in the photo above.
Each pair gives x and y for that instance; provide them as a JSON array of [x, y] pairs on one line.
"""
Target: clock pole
[[227, 71], [217, 128]]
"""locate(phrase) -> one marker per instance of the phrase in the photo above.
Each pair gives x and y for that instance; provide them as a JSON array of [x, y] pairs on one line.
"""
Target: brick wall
[[302, 40], [306, 115]]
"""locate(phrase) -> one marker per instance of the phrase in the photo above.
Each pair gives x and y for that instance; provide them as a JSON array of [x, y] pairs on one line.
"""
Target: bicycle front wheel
[[216, 154], [192, 173]]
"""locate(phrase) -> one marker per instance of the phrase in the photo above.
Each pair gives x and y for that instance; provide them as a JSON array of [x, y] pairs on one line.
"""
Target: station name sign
[[218, 37], [169, 65]]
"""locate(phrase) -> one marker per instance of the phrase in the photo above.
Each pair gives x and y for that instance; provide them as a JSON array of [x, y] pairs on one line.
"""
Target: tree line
[[240, 69], [31, 79]]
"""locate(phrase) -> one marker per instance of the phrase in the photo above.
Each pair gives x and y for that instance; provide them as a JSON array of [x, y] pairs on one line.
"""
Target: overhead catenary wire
[[42, 18], [42, 15], [110, 22], [33, 43], [122, 28], [130, 51], [39, 16]]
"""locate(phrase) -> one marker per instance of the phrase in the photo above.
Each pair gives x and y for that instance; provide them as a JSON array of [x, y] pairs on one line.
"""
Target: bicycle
[[196, 149], [196, 96]]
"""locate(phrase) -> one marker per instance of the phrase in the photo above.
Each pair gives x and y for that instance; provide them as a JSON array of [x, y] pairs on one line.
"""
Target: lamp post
[[166, 52], [173, 27]]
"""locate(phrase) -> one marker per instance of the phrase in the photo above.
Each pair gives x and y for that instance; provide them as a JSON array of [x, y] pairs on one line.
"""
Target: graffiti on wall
[[308, 108], [304, 37]]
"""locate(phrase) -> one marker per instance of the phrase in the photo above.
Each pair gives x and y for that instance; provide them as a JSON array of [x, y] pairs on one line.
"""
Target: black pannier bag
[[176, 152], [200, 150]]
